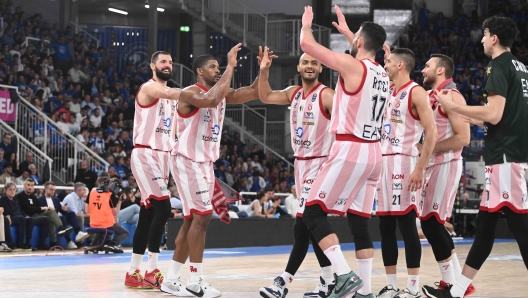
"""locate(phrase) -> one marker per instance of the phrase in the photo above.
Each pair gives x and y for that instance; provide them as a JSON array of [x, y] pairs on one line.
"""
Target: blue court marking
[[82, 259]]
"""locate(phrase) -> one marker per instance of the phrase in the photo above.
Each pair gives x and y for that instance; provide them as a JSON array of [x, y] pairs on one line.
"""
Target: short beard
[[354, 50], [429, 81], [162, 76], [309, 80]]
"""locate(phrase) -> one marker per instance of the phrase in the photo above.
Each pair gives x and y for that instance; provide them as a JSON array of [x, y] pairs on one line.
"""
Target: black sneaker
[[12, 246], [43, 246], [26, 247], [64, 231], [438, 293]]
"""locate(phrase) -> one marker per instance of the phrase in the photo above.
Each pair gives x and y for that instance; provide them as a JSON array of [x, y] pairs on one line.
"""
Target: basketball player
[[154, 128], [311, 105], [199, 129], [444, 169], [347, 180], [505, 118], [407, 114]]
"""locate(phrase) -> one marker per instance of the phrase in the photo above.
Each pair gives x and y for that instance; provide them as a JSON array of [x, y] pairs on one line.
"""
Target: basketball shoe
[[346, 284], [321, 291], [134, 280], [277, 290], [175, 288], [153, 279], [442, 285], [203, 289], [437, 293], [407, 294], [388, 292], [358, 295]]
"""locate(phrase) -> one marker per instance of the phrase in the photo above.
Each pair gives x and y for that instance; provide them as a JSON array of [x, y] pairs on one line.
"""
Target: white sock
[[413, 282], [135, 263], [328, 274], [392, 280], [152, 261], [447, 272], [336, 257], [365, 272], [457, 270], [196, 271], [174, 270], [460, 286], [288, 278]]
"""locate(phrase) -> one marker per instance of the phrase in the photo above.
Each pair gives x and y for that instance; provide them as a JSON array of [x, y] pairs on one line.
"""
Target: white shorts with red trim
[[505, 186], [151, 170], [305, 171], [347, 180], [195, 182], [439, 191], [393, 195]]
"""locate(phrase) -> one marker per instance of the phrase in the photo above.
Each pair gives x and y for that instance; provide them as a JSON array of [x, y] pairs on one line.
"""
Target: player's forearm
[[455, 142], [307, 41], [482, 113], [264, 88], [427, 149]]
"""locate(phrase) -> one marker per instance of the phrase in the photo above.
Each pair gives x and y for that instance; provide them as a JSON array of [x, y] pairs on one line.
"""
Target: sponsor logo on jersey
[[387, 127], [308, 115], [396, 113], [314, 97], [207, 117], [505, 195], [209, 139], [298, 95], [166, 122], [202, 192], [402, 96], [216, 129], [322, 195], [396, 121], [341, 202], [487, 181], [299, 132], [393, 141], [435, 206], [302, 143], [413, 199], [397, 186], [308, 181], [397, 105], [308, 123], [398, 176], [309, 107]]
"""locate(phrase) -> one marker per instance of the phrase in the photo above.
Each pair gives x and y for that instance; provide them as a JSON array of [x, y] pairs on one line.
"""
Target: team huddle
[[378, 135]]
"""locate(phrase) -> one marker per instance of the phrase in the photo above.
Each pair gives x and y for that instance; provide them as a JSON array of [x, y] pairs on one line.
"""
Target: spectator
[[13, 160], [7, 176], [2, 161], [73, 127], [475, 34], [22, 221], [83, 114], [219, 172], [130, 181], [96, 118], [77, 75], [75, 203], [5, 230], [229, 176], [119, 167], [6, 143], [66, 110], [291, 202], [258, 206], [22, 178], [33, 174], [61, 124], [256, 183], [424, 15], [275, 209], [67, 217], [85, 175], [129, 212], [65, 192], [29, 160], [103, 207], [30, 205]]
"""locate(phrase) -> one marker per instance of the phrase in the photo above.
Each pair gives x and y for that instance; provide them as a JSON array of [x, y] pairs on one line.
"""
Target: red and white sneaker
[[442, 285], [153, 279], [134, 280], [470, 290]]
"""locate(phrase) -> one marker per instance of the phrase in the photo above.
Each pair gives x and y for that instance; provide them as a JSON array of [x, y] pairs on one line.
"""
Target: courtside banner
[[8, 110]]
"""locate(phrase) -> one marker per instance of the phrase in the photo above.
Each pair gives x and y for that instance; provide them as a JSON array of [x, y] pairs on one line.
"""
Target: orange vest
[[101, 215]]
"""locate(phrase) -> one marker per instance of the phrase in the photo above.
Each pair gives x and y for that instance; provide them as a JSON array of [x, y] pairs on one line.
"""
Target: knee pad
[[316, 220], [359, 226], [436, 236]]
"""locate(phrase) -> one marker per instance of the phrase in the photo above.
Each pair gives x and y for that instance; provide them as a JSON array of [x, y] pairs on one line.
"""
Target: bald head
[[309, 68]]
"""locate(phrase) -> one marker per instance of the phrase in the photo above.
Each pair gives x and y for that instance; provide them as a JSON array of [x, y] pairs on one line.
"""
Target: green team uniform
[[507, 141]]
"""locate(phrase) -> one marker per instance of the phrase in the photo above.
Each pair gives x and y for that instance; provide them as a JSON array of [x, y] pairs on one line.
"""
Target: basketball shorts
[[195, 182], [305, 172], [393, 195], [347, 181], [439, 191], [505, 186], [151, 170]]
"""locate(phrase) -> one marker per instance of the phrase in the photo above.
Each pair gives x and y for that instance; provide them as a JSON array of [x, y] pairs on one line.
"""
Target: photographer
[[103, 204]]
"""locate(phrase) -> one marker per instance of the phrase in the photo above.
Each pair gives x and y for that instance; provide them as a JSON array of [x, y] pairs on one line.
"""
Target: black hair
[[446, 62], [505, 29], [200, 62], [156, 54], [405, 55], [374, 36]]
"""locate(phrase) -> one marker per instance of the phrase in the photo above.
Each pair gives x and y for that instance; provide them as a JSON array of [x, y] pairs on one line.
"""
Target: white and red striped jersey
[[309, 123], [199, 132], [402, 129], [359, 113], [444, 128], [155, 124]]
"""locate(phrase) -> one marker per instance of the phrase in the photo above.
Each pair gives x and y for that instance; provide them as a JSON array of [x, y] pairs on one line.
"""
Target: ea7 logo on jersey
[[397, 186], [487, 181], [341, 202]]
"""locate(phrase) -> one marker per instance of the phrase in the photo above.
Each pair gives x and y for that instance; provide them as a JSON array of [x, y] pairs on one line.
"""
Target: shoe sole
[[67, 230], [266, 295], [134, 287], [83, 238], [350, 291], [428, 294]]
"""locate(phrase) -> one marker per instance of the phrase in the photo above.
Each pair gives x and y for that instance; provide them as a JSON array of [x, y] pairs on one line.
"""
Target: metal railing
[[79, 29], [40, 159], [251, 139], [243, 23], [252, 120], [40, 46], [182, 75], [277, 137], [65, 149]]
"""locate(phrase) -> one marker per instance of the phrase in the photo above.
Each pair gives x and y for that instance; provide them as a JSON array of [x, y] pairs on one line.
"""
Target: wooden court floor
[[236, 273]]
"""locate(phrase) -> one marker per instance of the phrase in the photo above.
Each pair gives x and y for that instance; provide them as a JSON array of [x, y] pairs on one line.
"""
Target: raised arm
[[215, 95], [461, 136], [491, 113], [420, 101], [266, 95], [347, 65], [150, 91]]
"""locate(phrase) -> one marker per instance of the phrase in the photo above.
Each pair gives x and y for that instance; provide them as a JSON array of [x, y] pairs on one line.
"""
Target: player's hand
[[387, 51], [270, 55], [416, 180], [341, 24], [1, 210], [232, 55], [419, 146], [307, 17], [266, 58], [445, 98]]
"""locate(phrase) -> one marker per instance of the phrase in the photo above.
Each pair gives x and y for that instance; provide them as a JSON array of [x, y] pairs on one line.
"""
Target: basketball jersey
[[359, 113], [155, 124], [444, 128], [199, 132], [310, 123], [402, 129]]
